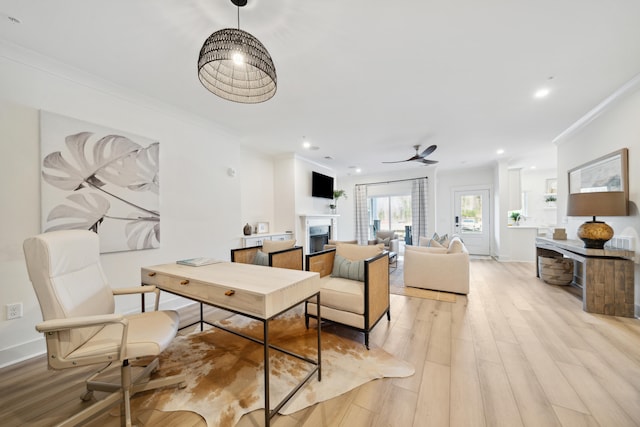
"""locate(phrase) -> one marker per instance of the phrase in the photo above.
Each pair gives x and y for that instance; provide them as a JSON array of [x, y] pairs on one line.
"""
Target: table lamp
[[594, 233]]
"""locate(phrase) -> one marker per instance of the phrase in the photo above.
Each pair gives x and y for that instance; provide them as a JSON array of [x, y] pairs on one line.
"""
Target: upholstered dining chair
[[79, 322]]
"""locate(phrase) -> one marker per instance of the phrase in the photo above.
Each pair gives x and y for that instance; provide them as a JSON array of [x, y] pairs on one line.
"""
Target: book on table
[[197, 262]]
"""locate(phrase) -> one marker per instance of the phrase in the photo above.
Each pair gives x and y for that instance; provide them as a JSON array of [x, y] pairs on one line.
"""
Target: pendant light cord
[[238, 17]]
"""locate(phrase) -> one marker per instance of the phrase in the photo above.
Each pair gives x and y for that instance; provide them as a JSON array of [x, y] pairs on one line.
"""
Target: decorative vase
[[247, 230]]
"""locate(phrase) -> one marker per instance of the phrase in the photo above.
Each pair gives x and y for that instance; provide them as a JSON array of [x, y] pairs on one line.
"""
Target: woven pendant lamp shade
[[252, 81]]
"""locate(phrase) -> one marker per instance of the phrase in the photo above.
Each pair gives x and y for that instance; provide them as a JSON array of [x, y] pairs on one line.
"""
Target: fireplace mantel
[[311, 220]]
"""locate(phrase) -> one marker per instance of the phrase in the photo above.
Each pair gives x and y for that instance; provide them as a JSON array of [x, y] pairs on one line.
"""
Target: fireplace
[[318, 237], [316, 230]]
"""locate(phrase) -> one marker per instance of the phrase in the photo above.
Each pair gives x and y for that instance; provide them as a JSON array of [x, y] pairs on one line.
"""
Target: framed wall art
[[263, 227], [100, 179], [604, 174]]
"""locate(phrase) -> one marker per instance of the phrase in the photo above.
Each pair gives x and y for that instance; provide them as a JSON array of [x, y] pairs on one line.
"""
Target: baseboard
[[21, 352]]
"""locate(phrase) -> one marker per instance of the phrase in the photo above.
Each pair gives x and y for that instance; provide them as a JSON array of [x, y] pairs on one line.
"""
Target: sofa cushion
[[342, 294], [348, 269], [431, 250], [261, 259], [358, 252], [269, 246]]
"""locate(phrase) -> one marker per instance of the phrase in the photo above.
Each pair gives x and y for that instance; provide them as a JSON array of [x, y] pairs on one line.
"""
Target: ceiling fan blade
[[429, 162], [398, 161], [428, 150]]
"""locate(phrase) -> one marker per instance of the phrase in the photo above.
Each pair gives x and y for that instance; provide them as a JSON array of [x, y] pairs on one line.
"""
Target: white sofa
[[438, 268]]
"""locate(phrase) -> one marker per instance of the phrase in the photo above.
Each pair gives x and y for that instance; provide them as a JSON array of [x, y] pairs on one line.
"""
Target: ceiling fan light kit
[[236, 66]]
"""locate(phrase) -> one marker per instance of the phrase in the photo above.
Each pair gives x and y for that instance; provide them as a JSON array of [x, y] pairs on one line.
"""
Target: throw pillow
[[385, 242], [429, 243], [435, 244], [455, 247], [443, 240], [261, 259], [269, 246], [358, 252], [347, 269]]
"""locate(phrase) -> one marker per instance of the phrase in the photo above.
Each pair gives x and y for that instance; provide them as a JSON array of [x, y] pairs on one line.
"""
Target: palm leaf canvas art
[[100, 179]]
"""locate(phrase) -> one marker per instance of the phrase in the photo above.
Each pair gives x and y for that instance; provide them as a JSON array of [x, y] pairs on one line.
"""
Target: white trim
[[622, 91]]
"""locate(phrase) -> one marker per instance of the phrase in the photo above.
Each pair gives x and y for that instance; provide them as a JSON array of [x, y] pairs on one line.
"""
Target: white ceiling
[[363, 80]]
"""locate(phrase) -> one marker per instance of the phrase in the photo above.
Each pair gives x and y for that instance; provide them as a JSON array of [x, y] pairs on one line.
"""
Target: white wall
[[202, 208], [533, 184], [613, 125], [458, 180]]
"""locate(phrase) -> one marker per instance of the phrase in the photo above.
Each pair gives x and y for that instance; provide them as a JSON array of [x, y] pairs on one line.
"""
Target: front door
[[472, 220]]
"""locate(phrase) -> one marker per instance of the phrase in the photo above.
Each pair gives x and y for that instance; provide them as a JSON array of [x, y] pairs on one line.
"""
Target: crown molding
[[629, 87]]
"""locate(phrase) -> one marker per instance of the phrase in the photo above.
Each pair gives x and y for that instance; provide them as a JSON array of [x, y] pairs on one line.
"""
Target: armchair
[[290, 258], [80, 325], [358, 302], [388, 238]]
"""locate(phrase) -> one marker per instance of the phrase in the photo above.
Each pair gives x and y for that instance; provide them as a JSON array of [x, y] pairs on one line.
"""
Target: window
[[471, 210], [389, 213]]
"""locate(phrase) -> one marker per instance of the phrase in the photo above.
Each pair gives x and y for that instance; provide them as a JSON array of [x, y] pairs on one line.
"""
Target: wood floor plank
[[535, 409], [500, 407], [556, 387], [570, 418], [625, 393], [466, 407], [433, 402], [600, 403], [398, 409]]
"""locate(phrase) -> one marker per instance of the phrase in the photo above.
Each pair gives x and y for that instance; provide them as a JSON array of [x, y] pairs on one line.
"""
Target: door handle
[[457, 221]]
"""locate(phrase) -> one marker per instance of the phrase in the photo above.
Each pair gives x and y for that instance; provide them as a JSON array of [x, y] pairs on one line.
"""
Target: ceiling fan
[[420, 157]]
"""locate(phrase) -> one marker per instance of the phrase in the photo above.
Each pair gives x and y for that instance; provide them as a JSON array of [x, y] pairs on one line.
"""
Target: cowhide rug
[[225, 377]]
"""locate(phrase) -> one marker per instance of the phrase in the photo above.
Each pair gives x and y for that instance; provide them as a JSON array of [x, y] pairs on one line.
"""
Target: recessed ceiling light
[[499, 151], [358, 170], [541, 93], [532, 167], [306, 144]]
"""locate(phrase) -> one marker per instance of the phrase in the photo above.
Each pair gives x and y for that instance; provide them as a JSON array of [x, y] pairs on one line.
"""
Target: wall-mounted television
[[321, 185]]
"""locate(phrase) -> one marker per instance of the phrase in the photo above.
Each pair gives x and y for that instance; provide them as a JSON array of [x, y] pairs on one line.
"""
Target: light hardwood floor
[[515, 352]]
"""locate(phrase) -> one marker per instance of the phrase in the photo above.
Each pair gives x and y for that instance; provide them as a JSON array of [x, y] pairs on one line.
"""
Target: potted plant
[[515, 216], [551, 200], [336, 195]]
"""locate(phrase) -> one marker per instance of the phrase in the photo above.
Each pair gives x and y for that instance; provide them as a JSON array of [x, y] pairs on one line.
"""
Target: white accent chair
[[388, 238], [80, 325]]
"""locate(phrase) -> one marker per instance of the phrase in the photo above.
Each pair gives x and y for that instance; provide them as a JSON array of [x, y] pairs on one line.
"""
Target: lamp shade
[[607, 203], [249, 80]]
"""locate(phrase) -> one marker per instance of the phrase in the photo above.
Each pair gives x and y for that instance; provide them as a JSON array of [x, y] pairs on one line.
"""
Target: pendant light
[[236, 66]]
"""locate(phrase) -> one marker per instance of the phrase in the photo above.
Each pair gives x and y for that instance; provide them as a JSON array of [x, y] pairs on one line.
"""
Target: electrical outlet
[[14, 311]]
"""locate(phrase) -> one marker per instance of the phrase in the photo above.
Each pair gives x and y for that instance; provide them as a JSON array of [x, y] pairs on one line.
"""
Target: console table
[[255, 291], [606, 276]]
